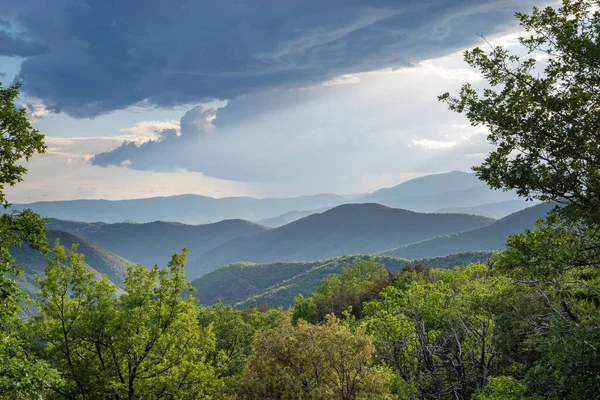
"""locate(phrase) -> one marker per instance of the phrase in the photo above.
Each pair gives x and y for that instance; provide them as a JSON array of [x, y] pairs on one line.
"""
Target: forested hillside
[[347, 229], [154, 242], [244, 284]]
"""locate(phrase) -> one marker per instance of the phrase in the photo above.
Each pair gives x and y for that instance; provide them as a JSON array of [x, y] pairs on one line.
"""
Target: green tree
[[234, 330], [20, 375], [438, 331], [307, 361], [543, 112], [348, 289], [543, 116], [144, 343], [304, 308]]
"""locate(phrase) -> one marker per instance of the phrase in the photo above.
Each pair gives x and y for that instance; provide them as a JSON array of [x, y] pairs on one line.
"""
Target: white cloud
[[147, 130], [49, 177], [35, 111], [433, 144], [343, 80]]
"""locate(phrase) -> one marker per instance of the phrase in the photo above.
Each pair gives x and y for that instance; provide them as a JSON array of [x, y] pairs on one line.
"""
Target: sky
[[256, 98]]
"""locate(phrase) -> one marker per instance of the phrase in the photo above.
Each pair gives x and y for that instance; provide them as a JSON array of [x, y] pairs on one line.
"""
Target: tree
[[20, 375], [438, 331], [234, 330], [312, 362], [348, 289], [543, 116], [144, 343], [304, 308]]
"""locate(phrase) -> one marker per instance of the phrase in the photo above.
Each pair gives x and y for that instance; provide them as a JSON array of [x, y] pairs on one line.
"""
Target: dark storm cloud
[[106, 55], [159, 154], [14, 45]]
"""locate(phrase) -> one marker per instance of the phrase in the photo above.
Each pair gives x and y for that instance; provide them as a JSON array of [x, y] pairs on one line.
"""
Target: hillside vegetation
[[347, 229], [243, 284]]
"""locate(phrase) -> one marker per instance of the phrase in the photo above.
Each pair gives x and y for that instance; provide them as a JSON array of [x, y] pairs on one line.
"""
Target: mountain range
[[154, 242], [347, 229], [297, 242], [491, 237], [425, 194], [491, 210]]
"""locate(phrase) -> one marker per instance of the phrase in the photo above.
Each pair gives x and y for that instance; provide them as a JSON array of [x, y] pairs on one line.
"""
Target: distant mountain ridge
[[154, 242], [425, 194], [491, 210], [288, 217], [491, 237], [432, 192], [347, 229], [189, 208]]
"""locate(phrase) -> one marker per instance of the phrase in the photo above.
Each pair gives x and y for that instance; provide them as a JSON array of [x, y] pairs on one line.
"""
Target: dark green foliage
[[18, 140], [21, 376]]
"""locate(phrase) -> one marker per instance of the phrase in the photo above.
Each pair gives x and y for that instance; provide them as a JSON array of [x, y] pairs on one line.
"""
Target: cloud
[[78, 179], [158, 153], [35, 111], [433, 144], [87, 146], [87, 58], [383, 128], [13, 44]]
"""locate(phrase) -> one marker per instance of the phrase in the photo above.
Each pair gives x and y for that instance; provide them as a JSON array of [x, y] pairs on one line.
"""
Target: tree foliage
[[326, 361], [144, 343], [20, 375], [542, 110], [349, 289]]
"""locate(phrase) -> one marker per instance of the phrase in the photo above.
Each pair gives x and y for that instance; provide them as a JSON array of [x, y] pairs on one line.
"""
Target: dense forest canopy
[[524, 324]]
